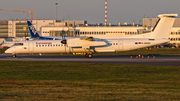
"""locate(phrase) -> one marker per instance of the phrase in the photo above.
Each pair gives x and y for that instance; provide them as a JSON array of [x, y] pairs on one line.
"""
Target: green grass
[[87, 81], [2, 50]]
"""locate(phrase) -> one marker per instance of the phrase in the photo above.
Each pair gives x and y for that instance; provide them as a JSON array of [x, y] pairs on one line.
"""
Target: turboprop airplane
[[89, 45], [7, 44], [34, 34], [11, 41]]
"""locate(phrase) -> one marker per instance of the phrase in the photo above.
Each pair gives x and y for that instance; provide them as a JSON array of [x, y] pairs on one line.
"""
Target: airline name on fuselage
[[43, 43]]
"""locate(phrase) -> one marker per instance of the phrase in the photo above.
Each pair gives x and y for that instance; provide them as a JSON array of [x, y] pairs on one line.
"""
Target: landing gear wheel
[[88, 55], [14, 56]]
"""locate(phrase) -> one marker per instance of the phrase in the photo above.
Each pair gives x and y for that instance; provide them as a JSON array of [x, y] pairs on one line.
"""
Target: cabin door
[[120, 44], [31, 46]]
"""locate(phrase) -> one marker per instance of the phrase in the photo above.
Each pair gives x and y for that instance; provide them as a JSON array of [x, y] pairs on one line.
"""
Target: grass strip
[[87, 81]]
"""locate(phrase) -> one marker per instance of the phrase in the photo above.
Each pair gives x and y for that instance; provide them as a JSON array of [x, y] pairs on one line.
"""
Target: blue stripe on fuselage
[[45, 38]]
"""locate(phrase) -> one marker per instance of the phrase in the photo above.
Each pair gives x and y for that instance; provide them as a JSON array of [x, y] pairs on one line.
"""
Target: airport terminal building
[[18, 28]]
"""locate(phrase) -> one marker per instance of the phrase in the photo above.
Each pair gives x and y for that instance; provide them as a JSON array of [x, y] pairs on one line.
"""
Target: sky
[[90, 10]]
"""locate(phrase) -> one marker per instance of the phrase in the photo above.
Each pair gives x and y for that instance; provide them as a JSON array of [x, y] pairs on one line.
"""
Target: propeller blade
[[64, 41]]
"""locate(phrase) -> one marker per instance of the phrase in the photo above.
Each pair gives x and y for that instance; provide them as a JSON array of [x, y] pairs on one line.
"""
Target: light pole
[[56, 10]]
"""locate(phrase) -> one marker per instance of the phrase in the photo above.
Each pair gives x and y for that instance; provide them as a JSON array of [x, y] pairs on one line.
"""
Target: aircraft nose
[[9, 51]]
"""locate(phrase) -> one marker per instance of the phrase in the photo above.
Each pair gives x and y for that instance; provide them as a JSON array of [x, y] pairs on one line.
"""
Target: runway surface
[[159, 60]]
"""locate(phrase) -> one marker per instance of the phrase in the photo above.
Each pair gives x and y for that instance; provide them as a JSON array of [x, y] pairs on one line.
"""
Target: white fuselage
[[105, 45]]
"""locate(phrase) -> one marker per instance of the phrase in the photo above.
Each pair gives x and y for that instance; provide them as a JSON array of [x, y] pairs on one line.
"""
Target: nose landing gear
[[14, 56]]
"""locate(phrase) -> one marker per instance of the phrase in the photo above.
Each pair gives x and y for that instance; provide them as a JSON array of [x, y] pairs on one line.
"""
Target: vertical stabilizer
[[164, 25], [32, 30]]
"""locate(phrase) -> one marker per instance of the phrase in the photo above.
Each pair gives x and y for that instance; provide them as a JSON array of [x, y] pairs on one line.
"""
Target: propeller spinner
[[64, 41]]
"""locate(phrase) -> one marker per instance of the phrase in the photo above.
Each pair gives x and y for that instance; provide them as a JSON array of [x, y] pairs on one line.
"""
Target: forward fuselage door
[[31, 46]]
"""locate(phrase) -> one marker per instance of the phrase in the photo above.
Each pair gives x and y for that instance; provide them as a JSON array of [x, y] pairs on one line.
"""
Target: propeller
[[138, 31], [64, 41]]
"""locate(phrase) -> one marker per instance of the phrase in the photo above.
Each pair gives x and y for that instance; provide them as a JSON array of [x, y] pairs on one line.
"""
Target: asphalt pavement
[[134, 60]]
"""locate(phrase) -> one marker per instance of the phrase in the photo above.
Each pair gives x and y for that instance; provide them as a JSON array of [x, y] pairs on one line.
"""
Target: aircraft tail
[[163, 27], [32, 30]]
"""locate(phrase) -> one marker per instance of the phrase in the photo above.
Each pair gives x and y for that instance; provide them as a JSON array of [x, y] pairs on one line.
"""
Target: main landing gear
[[88, 55]]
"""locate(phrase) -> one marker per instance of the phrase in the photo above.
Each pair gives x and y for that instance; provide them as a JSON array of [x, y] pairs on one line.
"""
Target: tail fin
[[32, 30], [164, 25]]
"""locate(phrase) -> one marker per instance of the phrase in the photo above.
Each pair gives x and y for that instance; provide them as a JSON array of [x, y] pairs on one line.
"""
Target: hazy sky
[[90, 10]]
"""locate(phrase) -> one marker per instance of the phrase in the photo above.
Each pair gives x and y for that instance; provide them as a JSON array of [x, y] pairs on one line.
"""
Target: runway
[[159, 60]]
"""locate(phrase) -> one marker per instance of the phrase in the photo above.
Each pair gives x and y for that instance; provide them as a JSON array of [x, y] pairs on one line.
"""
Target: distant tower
[[105, 12]]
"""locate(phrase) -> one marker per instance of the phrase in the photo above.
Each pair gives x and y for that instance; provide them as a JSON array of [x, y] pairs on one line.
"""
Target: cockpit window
[[18, 44]]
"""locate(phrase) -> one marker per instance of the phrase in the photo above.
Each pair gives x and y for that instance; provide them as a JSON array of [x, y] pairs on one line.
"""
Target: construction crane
[[31, 12]]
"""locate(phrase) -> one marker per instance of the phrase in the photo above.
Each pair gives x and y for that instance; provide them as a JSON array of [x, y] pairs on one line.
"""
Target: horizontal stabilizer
[[168, 15]]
